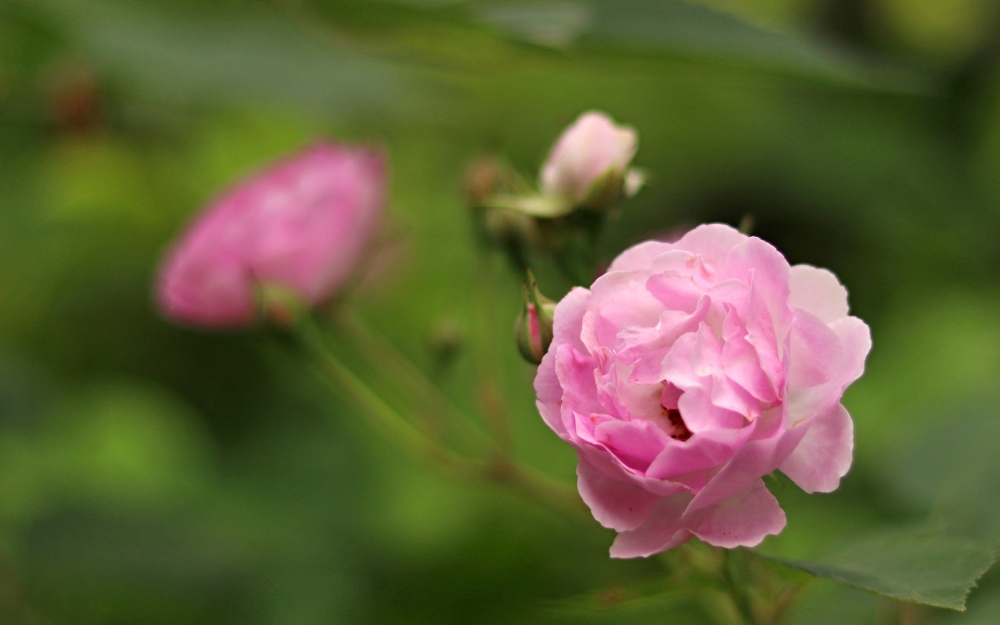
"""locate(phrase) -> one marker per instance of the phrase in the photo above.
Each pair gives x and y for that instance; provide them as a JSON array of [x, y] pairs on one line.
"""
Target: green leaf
[[535, 205], [220, 54], [917, 566], [689, 29]]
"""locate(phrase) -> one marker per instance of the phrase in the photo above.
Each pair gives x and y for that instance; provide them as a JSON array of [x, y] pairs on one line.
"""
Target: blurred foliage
[[154, 474]]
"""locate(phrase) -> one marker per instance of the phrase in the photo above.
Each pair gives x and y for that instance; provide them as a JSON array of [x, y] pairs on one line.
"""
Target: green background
[[156, 474]]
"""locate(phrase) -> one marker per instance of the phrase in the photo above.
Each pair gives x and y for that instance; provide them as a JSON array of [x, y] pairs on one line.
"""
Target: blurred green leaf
[[918, 566], [680, 27], [225, 55]]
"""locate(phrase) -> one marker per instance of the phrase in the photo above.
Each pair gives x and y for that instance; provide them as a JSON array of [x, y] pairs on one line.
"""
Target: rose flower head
[[298, 228], [688, 372], [589, 162]]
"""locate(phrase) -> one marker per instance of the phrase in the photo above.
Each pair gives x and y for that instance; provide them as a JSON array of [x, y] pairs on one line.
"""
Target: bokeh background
[[152, 474]]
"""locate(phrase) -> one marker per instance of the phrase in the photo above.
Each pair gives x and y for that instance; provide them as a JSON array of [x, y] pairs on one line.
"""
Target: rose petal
[[701, 451], [740, 520], [661, 531], [816, 352], [639, 256], [857, 342], [700, 414], [549, 393], [817, 291], [824, 454], [635, 443], [763, 267], [615, 503], [712, 242], [568, 320], [756, 458]]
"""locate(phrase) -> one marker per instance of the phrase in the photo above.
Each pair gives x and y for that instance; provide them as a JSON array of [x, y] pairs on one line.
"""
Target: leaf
[[917, 566], [532, 205], [681, 27], [226, 55]]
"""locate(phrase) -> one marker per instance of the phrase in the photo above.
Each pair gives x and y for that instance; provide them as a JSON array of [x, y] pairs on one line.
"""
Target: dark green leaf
[[680, 27], [226, 55], [917, 566]]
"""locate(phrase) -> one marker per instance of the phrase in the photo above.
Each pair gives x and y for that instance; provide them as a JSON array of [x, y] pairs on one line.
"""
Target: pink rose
[[300, 225], [593, 147], [689, 371]]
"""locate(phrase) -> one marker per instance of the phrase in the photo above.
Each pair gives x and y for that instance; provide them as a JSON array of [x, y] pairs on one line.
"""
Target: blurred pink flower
[[585, 152], [300, 225], [689, 371]]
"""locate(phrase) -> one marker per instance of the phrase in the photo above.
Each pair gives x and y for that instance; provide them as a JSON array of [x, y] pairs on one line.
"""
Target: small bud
[[445, 342], [485, 178], [533, 330], [589, 164]]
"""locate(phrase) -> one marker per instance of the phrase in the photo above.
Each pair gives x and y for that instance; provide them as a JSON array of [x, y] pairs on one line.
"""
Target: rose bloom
[[300, 225], [690, 370], [590, 148]]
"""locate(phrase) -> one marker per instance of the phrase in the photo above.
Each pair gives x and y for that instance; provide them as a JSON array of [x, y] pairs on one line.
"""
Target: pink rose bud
[[589, 162], [688, 372], [533, 330], [299, 226]]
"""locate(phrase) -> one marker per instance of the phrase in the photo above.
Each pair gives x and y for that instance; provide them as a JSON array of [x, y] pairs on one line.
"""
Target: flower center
[[678, 429]]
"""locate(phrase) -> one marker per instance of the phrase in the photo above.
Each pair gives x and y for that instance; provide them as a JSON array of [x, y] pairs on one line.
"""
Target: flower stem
[[735, 574], [435, 404], [389, 423]]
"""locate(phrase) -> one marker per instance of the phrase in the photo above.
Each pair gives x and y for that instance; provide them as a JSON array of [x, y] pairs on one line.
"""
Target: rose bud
[[588, 165], [299, 227], [533, 331], [688, 372]]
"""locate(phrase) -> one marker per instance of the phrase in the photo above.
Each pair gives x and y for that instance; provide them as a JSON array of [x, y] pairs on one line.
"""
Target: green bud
[[280, 305], [533, 330]]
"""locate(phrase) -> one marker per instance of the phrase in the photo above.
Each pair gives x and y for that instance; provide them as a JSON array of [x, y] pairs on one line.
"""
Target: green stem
[[734, 574], [490, 395], [380, 416], [387, 422], [435, 403]]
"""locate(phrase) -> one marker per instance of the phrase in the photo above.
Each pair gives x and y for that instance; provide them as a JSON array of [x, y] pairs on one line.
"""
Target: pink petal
[[816, 352], [817, 291], [701, 451], [663, 530], [639, 256], [575, 373], [312, 217], [675, 290], [549, 393], [762, 335], [857, 342], [206, 287], [824, 454], [755, 459], [635, 443], [742, 365], [700, 414], [712, 241], [760, 264], [693, 359], [615, 503], [648, 347], [621, 299], [568, 320], [730, 396], [740, 520], [606, 462]]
